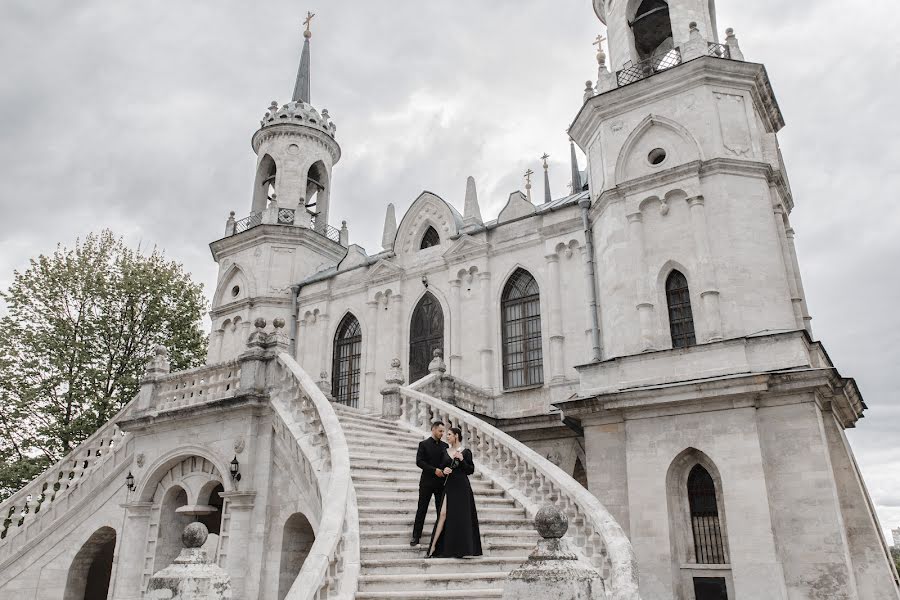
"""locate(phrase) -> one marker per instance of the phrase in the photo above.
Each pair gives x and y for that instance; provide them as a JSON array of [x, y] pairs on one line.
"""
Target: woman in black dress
[[456, 532]]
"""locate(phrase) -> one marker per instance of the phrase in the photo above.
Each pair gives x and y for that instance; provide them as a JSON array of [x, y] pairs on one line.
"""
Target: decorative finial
[[309, 17], [547, 196], [544, 158], [601, 55], [528, 175]]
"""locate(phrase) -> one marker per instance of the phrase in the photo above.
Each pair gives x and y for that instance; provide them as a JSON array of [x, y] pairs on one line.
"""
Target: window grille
[[523, 356], [431, 238], [709, 547], [681, 318], [345, 369]]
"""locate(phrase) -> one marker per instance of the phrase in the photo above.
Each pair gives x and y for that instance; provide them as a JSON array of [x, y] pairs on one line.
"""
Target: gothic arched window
[[681, 318], [520, 311], [652, 29], [709, 547], [430, 238], [345, 368]]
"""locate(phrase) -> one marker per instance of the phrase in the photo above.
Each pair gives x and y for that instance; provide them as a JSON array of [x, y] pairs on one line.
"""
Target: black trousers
[[427, 488]]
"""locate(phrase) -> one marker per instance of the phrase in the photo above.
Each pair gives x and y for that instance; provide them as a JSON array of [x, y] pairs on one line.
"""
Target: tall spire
[[576, 172], [390, 228], [301, 88], [472, 215], [547, 197]]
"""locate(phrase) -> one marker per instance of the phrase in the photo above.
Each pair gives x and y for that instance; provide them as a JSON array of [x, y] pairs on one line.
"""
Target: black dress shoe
[[414, 542]]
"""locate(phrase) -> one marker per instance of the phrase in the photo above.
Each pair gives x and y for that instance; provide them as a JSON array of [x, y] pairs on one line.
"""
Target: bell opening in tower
[[652, 30]]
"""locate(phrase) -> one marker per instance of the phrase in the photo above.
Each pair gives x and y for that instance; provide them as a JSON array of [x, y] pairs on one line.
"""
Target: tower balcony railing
[[656, 64], [282, 216]]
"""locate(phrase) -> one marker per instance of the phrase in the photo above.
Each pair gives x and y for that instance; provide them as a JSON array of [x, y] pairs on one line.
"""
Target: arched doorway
[[426, 333], [91, 569], [171, 526], [296, 541]]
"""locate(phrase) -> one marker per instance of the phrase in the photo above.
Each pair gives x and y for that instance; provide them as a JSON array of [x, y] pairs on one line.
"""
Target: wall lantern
[[425, 281], [235, 469], [129, 482]]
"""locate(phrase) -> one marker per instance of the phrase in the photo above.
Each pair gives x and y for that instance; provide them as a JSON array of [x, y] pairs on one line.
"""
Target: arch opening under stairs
[[296, 541], [91, 569]]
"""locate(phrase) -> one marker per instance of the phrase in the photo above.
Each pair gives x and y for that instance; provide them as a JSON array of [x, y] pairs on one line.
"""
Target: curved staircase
[[384, 473]]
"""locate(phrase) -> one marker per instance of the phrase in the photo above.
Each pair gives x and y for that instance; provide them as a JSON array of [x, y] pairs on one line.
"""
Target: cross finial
[[528, 175], [544, 158], [307, 22], [599, 41]]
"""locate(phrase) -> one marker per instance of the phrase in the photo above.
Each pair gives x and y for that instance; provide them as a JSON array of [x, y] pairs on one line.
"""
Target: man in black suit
[[431, 483]]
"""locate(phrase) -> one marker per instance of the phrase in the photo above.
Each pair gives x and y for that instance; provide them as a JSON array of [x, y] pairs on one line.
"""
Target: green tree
[[80, 325]]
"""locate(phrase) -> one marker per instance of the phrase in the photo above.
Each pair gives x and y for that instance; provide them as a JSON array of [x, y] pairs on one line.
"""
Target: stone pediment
[[384, 270], [465, 247], [429, 210], [517, 206]]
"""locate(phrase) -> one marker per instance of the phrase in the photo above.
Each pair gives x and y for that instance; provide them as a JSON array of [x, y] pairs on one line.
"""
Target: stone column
[[239, 507], [325, 344], [456, 324], [132, 549], [796, 300], [487, 352], [371, 352], [557, 339], [157, 368], [301, 341], [807, 320], [390, 393], [644, 303], [396, 302], [215, 346], [709, 291]]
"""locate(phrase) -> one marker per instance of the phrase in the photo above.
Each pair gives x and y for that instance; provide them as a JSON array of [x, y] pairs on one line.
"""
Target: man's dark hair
[[437, 424]]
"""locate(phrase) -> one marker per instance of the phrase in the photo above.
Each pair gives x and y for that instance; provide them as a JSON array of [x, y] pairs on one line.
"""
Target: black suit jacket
[[429, 457]]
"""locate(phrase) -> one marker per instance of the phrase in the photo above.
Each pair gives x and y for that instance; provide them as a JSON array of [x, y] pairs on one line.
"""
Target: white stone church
[[639, 353]]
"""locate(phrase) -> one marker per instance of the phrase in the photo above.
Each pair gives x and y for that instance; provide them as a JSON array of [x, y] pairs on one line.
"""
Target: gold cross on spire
[[544, 158], [528, 175], [307, 22], [599, 41]]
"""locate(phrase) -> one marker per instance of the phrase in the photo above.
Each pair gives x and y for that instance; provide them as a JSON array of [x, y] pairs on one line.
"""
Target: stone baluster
[[487, 352], [557, 339], [456, 325], [709, 291], [644, 305]]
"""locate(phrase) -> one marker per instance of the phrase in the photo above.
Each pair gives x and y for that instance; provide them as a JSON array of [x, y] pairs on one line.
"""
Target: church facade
[[647, 337]]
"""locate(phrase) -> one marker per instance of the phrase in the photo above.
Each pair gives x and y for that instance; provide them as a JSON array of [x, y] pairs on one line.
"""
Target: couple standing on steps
[[446, 467]]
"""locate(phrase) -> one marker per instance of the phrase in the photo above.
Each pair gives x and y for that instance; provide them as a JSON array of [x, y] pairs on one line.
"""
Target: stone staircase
[[382, 461]]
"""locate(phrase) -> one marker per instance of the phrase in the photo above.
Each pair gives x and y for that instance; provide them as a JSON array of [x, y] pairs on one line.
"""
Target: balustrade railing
[[719, 51], [289, 217], [248, 222], [648, 67], [197, 386], [331, 569], [534, 481], [40, 503]]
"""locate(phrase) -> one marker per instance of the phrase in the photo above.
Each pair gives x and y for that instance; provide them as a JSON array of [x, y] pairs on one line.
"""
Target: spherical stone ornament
[[551, 522], [278, 322], [194, 535], [260, 323]]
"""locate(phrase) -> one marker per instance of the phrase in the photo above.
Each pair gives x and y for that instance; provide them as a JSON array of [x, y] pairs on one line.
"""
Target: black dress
[[460, 536]]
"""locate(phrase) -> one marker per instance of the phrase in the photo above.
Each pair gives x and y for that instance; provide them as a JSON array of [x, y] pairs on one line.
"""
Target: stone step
[[470, 594], [405, 499], [489, 522], [379, 428], [376, 423], [364, 488], [458, 582], [484, 512], [489, 547], [421, 565], [401, 479], [397, 536]]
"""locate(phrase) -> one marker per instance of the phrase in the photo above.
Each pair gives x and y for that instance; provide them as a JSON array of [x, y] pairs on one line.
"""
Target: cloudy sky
[[137, 116]]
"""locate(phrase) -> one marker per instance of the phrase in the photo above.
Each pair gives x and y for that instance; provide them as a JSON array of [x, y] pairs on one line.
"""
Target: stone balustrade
[[320, 451], [534, 481], [34, 508], [197, 386]]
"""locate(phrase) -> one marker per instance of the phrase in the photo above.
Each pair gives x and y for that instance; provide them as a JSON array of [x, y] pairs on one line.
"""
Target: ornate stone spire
[[576, 172], [547, 196], [390, 228], [301, 88], [472, 212]]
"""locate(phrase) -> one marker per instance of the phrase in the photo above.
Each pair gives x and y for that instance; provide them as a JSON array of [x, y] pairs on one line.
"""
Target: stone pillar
[[371, 352], [239, 507], [253, 360], [390, 393], [557, 339], [796, 300], [553, 569], [157, 368], [709, 292], [214, 355], [325, 344], [191, 576], [644, 304], [487, 352], [302, 342], [396, 302], [456, 324], [732, 42], [229, 225], [807, 320], [696, 46], [130, 569]]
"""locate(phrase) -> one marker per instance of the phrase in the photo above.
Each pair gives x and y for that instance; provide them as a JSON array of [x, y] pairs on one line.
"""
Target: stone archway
[[171, 526], [296, 541], [91, 569]]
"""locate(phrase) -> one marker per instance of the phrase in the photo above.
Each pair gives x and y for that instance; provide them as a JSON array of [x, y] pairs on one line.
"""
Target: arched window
[[265, 183], [709, 547], [652, 30], [91, 570], [426, 334], [431, 238], [520, 311], [681, 318], [347, 355]]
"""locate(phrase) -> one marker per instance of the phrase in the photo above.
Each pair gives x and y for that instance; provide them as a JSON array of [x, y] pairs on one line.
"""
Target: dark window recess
[[345, 368], [681, 318], [709, 547], [520, 310], [426, 333], [430, 238], [710, 588], [652, 29]]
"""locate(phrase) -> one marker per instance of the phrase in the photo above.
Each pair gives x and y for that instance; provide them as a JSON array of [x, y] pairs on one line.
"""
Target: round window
[[235, 291], [656, 156]]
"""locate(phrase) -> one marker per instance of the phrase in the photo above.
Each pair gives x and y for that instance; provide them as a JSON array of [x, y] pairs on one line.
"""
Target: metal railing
[[719, 51], [287, 216], [332, 233], [248, 223], [648, 67]]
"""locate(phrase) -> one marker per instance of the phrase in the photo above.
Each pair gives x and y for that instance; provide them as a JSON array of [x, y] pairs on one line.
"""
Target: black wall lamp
[[235, 469], [425, 281], [129, 481]]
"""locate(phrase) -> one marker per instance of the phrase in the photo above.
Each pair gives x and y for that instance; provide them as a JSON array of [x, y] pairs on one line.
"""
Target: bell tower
[[286, 236]]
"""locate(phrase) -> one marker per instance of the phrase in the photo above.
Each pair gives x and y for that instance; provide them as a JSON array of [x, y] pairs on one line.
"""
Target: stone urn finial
[[437, 363], [551, 523], [159, 362], [194, 535]]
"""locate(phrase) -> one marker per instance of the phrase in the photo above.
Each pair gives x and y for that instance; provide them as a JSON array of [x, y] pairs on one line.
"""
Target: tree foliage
[[80, 325]]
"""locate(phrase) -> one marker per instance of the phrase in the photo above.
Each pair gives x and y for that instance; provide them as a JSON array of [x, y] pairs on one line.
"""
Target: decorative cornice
[[284, 234], [295, 130]]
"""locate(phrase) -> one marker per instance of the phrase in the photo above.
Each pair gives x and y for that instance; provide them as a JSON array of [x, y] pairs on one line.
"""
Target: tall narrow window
[[426, 334], [431, 238], [345, 369], [681, 318], [652, 29], [709, 548], [523, 355]]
